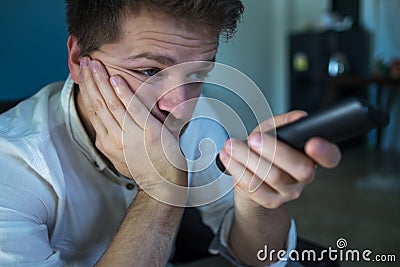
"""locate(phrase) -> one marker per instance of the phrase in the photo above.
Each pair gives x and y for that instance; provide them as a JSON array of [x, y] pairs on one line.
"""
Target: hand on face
[[271, 179], [125, 130]]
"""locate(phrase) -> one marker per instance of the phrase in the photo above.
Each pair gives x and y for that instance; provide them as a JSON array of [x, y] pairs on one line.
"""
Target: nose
[[175, 102]]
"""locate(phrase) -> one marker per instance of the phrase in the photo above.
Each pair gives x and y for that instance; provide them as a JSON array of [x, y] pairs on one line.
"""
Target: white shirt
[[60, 204]]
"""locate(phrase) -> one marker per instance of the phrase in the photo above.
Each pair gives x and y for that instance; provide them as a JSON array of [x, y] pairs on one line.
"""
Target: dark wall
[[33, 49]]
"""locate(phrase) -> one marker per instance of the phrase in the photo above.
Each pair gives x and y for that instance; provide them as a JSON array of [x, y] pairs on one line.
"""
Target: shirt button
[[130, 186]]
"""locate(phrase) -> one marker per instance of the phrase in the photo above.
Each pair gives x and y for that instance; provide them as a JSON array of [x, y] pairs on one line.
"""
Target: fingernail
[[114, 81], [84, 62], [255, 140], [94, 66], [80, 77], [228, 145], [322, 147], [223, 154]]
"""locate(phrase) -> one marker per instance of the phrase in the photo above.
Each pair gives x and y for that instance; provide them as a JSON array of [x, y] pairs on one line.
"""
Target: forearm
[[255, 227], [145, 236]]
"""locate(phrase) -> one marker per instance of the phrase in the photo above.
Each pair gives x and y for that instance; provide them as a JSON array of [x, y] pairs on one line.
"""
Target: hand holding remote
[[344, 120]]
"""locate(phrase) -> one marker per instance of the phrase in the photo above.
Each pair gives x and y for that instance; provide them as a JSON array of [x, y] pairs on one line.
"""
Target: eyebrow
[[164, 60]]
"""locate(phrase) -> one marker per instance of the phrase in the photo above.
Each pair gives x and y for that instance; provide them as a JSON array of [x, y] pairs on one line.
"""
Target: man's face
[[151, 44]]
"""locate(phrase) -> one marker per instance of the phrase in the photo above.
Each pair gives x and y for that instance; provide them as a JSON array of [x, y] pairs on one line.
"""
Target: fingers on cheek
[[80, 78], [84, 70], [121, 89], [118, 85]]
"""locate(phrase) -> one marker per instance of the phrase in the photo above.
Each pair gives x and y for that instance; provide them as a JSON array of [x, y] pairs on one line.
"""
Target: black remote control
[[348, 118]]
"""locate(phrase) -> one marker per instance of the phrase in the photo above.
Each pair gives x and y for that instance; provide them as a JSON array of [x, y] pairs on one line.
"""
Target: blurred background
[[302, 54]]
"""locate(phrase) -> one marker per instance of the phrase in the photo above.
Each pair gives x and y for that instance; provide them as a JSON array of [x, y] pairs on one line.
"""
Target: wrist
[[160, 189], [250, 214], [254, 227]]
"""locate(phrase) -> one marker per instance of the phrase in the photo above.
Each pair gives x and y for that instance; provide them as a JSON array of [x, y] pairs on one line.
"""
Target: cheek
[[192, 96], [148, 96], [194, 90]]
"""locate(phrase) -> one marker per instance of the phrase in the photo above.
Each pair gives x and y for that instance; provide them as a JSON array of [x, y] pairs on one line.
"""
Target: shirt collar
[[75, 128]]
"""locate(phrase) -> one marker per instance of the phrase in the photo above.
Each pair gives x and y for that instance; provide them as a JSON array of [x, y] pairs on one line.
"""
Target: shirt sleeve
[[219, 244], [25, 214]]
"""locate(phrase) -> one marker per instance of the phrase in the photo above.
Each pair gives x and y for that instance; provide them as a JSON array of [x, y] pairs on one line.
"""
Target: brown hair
[[97, 22]]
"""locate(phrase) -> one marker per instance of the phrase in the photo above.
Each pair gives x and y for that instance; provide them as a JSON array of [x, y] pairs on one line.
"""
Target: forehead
[[160, 33], [146, 20]]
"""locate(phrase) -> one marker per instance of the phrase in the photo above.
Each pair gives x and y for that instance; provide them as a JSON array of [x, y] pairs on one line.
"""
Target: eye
[[197, 76], [149, 72]]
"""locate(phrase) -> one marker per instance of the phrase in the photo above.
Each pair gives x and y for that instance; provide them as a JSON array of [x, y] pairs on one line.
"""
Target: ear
[[73, 58]]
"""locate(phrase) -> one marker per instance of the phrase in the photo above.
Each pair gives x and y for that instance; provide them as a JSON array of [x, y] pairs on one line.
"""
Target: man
[[81, 162]]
